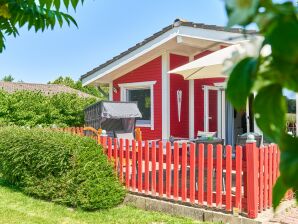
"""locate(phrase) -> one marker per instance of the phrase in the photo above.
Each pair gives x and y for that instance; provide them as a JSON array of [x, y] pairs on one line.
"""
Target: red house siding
[[150, 71], [199, 101], [177, 82]]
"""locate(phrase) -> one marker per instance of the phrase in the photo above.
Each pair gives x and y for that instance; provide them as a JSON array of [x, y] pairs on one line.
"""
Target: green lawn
[[15, 207]]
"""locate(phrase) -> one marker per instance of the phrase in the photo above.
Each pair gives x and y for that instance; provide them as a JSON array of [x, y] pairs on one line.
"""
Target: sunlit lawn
[[15, 207]]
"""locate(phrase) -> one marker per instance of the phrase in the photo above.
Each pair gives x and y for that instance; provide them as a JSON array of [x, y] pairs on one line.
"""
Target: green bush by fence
[[26, 108], [60, 167]]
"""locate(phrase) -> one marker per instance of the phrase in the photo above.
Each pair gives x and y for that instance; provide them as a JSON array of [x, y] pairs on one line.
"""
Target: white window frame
[[140, 85]]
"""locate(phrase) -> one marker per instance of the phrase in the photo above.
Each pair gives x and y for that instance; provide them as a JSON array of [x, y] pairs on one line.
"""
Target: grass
[[15, 207]]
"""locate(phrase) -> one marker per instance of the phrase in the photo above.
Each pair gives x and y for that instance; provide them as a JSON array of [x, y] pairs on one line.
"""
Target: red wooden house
[[141, 74]]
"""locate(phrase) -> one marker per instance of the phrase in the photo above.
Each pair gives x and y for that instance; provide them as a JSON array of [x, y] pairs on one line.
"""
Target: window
[[143, 97], [142, 93]]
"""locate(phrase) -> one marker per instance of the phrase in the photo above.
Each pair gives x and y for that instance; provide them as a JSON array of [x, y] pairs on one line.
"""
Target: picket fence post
[[252, 176]]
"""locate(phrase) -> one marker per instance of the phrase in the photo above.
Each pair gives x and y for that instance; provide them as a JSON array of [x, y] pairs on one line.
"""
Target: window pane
[[142, 96]]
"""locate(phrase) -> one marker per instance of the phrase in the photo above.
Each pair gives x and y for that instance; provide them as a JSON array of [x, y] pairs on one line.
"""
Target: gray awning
[[116, 110]]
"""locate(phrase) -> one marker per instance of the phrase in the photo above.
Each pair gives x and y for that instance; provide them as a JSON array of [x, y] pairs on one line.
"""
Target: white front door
[[220, 115]]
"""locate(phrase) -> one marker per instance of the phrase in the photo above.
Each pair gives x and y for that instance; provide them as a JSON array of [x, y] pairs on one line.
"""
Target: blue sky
[[106, 28]]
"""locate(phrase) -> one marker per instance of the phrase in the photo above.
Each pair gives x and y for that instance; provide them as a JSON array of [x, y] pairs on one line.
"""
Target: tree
[[7, 78], [267, 75], [92, 90], [38, 14]]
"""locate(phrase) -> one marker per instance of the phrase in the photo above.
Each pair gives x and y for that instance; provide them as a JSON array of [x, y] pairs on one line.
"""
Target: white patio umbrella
[[212, 66], [209, 66]]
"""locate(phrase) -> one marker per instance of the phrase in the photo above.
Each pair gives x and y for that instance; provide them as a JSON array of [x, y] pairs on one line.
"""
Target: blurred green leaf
[[241, 81], [278, 24], [289, 161], [270, 107], [289, 30], [241, 11], [279, 191]]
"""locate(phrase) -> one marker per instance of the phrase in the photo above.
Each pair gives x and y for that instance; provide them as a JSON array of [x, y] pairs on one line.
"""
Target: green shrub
[[60, 167], [26, 108]]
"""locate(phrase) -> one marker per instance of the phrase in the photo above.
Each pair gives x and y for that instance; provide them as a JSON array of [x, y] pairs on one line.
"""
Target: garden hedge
[[59, 167], [26, 108]]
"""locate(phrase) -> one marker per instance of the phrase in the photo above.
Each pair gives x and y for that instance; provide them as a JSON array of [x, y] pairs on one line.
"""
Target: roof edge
[[176, 23]]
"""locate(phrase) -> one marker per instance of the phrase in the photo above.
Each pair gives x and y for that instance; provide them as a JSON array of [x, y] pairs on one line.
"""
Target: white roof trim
[[131, 56], [198, 33], [137, 84]]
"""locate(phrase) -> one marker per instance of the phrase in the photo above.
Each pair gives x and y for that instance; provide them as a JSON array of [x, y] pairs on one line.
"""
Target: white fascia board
[[137, 84], [131, 56], [211, 35], [198, 33]]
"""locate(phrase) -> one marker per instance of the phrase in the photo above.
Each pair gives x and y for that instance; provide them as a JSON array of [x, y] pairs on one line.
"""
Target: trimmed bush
[[26, 108], [60, 167]]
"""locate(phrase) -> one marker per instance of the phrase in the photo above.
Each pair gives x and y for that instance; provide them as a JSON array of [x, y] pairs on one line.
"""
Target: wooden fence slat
[[261, 178], [104, 142], [116, 153], [146, 167], [121, 160], [140, 166], [270, 173], [168, 169], [252, 156], [184, 172], [192, 173], [110, 148], [176, 170], [266, 178], [274, 164], [209, 175], [278, 161], [127, 164], [218, 175], [134, 165], [201, 174], [153, 176], [238, 200], [228, 177], [160, 169]]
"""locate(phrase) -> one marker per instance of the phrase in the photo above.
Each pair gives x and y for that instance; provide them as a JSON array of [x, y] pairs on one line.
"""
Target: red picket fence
[[73, 130], [219, 176]]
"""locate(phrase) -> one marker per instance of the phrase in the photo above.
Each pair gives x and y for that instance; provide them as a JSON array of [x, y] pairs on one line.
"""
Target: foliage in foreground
[[60, 167], [15, 206], [267, 75], [26, 108], [38, 14]]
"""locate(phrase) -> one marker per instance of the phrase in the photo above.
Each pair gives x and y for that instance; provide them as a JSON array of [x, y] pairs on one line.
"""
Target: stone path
[[289, 216]]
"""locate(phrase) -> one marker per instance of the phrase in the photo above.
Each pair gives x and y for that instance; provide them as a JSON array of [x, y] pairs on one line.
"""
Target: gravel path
[[289, 216]]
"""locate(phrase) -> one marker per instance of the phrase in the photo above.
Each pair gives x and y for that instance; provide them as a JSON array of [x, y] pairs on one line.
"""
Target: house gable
[[185, 34]]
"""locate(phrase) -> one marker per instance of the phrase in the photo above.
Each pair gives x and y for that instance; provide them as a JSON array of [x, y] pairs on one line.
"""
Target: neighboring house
[[47, 89], [141, 74]]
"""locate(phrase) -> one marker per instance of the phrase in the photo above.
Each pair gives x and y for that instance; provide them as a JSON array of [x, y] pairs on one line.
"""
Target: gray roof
[[47, 89], [164, 30]]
